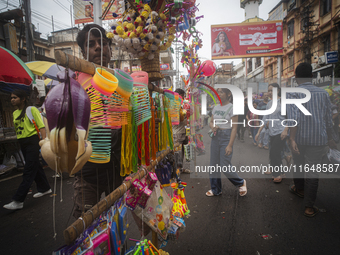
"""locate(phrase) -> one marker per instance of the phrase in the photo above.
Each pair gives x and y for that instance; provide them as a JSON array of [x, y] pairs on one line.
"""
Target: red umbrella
[[13, 72]]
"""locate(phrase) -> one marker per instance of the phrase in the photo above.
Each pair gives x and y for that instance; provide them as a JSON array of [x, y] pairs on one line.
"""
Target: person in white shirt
[[221, 149]]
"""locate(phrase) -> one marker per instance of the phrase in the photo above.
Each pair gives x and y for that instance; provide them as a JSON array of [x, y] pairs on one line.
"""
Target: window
[[39, 50], [257, 62], [250, 65], [325, 7], [291, 62], [327, 43], [68, 51], [290, 27]]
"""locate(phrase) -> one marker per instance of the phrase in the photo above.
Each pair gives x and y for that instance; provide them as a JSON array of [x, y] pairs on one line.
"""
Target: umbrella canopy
[[45, 68], [13, 72], [49, 83]]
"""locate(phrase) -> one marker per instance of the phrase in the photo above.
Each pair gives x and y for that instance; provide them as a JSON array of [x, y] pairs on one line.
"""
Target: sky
[[214, 11]]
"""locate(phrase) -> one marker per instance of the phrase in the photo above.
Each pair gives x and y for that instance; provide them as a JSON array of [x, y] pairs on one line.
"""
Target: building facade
[[310, 29]]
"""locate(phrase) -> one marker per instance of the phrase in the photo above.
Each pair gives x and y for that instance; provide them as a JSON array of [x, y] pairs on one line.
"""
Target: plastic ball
[[208, 68]]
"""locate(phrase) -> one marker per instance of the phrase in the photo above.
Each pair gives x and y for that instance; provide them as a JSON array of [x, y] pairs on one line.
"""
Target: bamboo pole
[[73, 231], [81, 65], [77, 64]]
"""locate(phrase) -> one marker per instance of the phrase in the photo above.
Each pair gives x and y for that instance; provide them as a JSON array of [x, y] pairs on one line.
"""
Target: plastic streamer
[[146, 138], [212, 89], [168, 129], [153, 134], [139, 142], [143, 145], [126, 148], [134, 144], [208, 92]]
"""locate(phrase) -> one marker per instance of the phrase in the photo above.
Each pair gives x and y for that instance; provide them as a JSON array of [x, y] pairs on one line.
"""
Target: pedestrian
[[277, 133], [95, 179], [221, 149], [264, 135], [310, 138], [179, 134], [28, 138], [253, 122], [242, 119]]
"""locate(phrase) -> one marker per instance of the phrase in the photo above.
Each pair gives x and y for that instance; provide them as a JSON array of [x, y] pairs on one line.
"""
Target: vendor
[[94, 179]]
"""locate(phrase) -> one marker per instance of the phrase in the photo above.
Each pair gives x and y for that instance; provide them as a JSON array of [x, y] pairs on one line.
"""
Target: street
[[268, 220]]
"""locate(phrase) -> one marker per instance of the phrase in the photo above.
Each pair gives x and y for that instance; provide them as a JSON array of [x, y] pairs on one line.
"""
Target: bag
[[210, 132], [157, 211], [333, 156], [9, 160]]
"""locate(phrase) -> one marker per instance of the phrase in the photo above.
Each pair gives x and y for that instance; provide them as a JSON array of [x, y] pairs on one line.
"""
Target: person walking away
[[310, 139], [221, 148], [28, 138], [277, 133]]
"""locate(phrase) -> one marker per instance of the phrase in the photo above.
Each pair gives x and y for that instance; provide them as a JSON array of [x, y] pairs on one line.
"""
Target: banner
[[164, 66], [256, 39], [83, 10]]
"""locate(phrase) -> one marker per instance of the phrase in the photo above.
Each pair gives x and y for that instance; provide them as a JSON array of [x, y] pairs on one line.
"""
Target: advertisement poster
[[239, 40], [83, 10]]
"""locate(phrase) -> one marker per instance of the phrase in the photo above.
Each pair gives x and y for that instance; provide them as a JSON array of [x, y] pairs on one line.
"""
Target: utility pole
[[177, 48], [28, 31], [307, 16], [97, 12]]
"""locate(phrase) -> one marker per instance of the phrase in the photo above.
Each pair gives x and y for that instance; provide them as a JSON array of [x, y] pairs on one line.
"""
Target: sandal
[[315, 212], [277, 179], [266, 147], [243, 189], [186, 171], [260, 145], [209, 193], [293, 189]]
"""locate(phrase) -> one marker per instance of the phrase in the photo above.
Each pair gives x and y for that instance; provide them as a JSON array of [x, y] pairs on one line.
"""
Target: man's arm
[[292, 113]]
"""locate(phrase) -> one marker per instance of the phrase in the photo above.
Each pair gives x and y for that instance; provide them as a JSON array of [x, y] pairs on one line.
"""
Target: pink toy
[[150, 180], [144, 198], [140, 77], [134, 194]]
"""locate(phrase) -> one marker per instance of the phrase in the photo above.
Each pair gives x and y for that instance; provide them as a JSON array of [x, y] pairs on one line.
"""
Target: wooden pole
[[81, 65], [77, 64], [73, 231]]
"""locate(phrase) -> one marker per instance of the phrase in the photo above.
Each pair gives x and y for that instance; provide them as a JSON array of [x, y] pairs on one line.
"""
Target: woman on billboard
[[222, 46]]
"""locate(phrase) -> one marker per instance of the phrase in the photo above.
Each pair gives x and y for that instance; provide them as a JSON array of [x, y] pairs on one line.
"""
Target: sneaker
[[186, 171], [14, 205], [56, 175], [39, 194]]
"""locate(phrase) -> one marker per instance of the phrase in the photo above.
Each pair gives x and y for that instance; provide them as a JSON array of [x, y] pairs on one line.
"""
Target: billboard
[[240, 40], [83, 10]]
